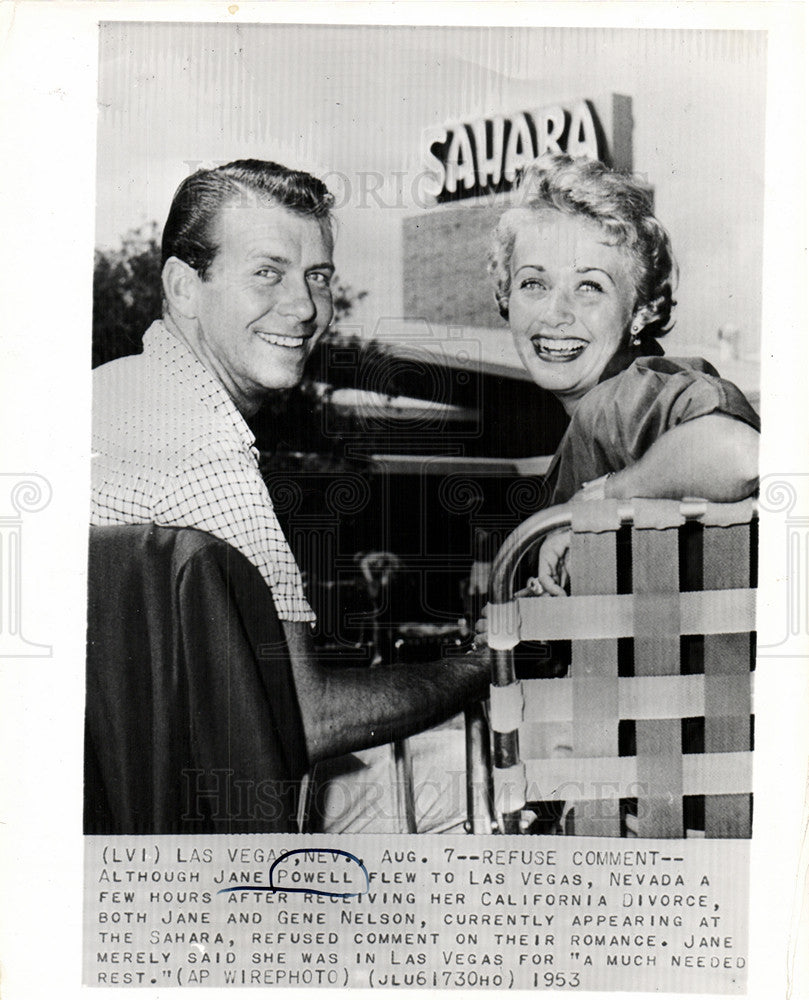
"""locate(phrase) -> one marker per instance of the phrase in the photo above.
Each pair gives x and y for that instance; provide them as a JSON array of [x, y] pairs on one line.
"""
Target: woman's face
[[571, 303]]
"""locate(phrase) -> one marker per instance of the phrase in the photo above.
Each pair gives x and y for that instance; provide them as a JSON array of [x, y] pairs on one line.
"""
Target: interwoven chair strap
[[509, 788], [727, 662], [594, 675], [691, 662], [600, 778], [679, 697], [506, 711], [613, 616]]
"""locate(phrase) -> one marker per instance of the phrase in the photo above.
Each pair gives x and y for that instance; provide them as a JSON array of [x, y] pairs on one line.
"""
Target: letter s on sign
[[433, 184]]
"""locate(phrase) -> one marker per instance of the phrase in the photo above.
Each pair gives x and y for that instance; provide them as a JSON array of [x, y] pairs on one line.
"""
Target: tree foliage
[[126, 294]]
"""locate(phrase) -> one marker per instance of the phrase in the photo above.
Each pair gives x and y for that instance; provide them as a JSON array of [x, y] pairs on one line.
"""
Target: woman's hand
[[552, 568], [480, 644]]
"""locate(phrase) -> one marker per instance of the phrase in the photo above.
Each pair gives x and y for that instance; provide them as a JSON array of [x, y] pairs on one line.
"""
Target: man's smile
[[278, 340]]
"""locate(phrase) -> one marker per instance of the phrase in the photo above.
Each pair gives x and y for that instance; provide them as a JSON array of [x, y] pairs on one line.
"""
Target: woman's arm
[[349, 709], [714, 457]]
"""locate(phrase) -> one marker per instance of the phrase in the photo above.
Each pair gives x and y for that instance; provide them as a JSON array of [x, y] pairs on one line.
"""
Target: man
[[247, 260]]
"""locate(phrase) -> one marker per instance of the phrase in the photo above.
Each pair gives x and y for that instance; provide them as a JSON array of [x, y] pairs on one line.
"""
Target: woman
[[584, 275]]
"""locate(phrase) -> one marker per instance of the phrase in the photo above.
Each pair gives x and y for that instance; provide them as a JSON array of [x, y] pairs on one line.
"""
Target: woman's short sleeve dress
[[622, 417]]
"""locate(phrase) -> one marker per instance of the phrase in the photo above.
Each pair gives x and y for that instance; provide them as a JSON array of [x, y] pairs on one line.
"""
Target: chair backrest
[[192, 721], [653, 718]]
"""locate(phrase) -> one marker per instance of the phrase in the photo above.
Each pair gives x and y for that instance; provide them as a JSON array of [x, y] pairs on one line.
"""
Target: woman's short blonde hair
[[618, 202]]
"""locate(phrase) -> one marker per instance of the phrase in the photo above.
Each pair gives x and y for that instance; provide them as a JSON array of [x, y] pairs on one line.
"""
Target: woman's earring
[[635, 330]]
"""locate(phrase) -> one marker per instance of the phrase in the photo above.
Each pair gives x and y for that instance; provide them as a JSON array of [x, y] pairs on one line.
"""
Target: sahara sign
[[484, 156]]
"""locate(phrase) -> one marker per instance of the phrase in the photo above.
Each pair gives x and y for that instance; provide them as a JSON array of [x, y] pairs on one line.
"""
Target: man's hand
[[552, 565]]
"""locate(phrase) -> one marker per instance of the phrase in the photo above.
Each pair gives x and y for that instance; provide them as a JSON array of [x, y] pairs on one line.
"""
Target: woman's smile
[[558, 349]]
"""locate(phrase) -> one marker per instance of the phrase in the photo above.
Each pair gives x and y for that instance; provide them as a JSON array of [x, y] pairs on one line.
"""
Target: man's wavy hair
[[190, 233], [619, 203]]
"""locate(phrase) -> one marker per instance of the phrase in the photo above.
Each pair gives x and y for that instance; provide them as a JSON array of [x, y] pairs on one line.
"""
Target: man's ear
[[180, 284]]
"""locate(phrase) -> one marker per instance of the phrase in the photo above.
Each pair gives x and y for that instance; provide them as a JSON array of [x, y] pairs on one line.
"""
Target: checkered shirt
[[170, 447]]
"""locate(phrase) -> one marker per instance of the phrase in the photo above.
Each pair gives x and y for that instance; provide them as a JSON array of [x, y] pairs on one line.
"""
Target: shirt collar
[[628, 354], [175, 357]]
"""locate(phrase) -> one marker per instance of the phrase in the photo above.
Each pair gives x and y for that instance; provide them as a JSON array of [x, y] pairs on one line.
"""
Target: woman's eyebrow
[[585, 270]]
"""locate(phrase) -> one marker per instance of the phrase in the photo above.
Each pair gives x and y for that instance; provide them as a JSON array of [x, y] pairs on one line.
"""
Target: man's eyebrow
[[286, 262], [267, 255]]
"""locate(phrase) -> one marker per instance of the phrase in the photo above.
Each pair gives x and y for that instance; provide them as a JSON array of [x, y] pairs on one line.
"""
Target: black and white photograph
[[430, 591], [369, 441]]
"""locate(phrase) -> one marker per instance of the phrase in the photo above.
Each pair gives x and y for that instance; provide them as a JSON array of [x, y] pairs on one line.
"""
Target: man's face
[[265, 300]]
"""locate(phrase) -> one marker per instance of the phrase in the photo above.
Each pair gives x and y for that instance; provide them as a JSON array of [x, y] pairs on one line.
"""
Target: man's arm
[[346, 709], [350, 709]]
